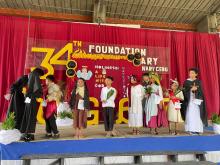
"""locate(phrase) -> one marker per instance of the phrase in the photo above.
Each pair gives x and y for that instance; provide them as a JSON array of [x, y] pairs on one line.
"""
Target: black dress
[[34, 91], [198, 95], [17, 104]]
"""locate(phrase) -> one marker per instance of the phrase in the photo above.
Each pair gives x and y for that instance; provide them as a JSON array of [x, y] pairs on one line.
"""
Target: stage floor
[[96, 143], [97, 131]]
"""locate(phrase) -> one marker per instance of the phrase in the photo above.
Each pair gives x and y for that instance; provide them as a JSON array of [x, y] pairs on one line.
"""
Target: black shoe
[[29, 137], [56, 136], [23, 137]]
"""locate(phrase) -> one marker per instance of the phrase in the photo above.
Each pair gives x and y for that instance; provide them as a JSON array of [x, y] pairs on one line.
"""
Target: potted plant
[[64, 115], [216, 123], [9, 134]]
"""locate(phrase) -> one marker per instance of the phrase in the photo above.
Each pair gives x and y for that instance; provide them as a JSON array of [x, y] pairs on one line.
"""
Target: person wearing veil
[[34, 91], [16, 98]]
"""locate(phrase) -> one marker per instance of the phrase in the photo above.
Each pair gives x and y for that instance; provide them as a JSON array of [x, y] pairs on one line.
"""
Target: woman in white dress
[[153, 103], [136, 93], [174, 114]]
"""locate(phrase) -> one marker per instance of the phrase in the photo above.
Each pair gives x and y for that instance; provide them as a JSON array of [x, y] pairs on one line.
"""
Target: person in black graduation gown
[[34, 91], [17, 104], [193, 113]]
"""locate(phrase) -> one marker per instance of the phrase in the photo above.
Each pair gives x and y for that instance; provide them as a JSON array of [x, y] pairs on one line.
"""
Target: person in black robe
[[34, 91], [192, 90], [145, 84], [17, 104]]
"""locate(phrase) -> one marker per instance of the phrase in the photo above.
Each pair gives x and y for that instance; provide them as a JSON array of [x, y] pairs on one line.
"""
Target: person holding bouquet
[[174, 115], [193, 106], [53, 97], [108, 95], [136, 94], [153, 103], [80, 104]]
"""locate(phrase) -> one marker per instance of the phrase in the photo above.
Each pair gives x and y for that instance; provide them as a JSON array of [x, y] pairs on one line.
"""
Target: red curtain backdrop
[[187, 49]]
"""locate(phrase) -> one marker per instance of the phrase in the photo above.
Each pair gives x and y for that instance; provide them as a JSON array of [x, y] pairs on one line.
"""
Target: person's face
[[192, 74], [145, 78], [48, 81], [84, 70], [174, 86], [152, 80], [133, 81], [80, 83], [108, 82]]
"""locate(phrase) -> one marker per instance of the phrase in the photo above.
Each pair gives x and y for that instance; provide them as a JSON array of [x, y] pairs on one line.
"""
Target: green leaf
[[149, 90], [65, 114], [9, 122], [215, 119], [110, 94]]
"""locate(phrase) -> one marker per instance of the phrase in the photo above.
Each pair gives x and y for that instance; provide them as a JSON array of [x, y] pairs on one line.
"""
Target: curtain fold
[[187, 49]]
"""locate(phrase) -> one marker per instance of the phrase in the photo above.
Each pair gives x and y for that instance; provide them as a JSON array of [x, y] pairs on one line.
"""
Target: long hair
[[85, 85]]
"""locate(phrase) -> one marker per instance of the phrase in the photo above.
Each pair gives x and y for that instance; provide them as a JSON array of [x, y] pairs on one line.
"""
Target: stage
[[151, 148], [123, 131]]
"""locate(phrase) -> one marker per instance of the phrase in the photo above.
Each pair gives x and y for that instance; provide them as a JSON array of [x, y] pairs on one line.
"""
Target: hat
[[174, 81]]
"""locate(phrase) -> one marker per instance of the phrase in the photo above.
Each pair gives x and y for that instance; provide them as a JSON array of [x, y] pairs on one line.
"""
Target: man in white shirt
[[108, 95]]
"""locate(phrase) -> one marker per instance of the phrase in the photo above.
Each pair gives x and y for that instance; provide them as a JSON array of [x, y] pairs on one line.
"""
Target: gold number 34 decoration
[[51, 59]]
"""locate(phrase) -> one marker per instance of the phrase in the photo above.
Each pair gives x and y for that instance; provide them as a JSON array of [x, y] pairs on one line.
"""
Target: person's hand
[[7, 96], [147, 95], [172, 97], [194, 88]]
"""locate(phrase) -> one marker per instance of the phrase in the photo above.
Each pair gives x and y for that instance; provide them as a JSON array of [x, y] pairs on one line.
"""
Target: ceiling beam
[[157, 25], [81, 18], [45, 15]]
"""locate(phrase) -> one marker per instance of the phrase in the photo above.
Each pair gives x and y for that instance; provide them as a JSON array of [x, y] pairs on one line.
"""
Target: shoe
[[193, 133], [48, 135], [29, 137], [56, 136], [23, 137]]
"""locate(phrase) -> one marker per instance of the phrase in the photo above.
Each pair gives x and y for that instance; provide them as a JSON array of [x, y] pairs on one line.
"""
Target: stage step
[[175, 158]]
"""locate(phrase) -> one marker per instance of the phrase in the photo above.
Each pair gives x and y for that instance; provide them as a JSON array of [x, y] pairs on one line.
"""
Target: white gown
[[193, 122], [173, 114], [151, 105], [135, 112]]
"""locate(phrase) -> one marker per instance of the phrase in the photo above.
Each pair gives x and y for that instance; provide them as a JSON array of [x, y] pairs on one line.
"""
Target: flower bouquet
[[149, 90], [110, 94]]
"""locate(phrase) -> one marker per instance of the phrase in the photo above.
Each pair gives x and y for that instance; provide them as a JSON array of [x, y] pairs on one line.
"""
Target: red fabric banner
[[187, 49]]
